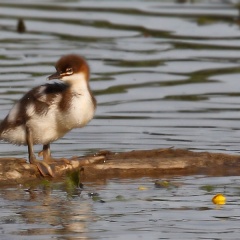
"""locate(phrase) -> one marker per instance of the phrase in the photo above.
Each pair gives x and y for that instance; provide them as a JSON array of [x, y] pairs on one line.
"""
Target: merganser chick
[[48, 112]]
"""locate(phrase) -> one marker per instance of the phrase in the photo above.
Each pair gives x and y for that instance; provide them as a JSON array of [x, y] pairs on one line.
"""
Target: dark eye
[[69, 71]]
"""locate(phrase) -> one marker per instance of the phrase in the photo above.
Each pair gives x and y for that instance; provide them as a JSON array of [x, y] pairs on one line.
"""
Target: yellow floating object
[[219, 199], [142, 188]]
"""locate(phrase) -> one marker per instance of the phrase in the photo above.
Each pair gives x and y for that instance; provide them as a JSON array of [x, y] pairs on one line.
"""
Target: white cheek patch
[[30, 110], [12, 116], [76, 77]]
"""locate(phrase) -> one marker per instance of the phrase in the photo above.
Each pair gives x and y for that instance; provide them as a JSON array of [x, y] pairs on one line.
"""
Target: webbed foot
[[43, 167]]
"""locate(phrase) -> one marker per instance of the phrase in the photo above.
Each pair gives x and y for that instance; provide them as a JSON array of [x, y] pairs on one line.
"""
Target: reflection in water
[[47, 212], [183, 207]]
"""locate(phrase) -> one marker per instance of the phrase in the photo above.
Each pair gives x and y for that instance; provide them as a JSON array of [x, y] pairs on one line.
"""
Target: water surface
[[120, 210], [164, 74]]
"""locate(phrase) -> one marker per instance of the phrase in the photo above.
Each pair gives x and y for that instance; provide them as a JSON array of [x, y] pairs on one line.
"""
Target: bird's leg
[[43, 167], [46, 153], [31, 155]]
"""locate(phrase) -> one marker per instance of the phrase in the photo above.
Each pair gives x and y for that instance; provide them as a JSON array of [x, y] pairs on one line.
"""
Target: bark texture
[[106, 164]]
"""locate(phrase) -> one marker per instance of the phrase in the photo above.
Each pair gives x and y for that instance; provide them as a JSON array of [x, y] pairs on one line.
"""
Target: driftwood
[[105, 164]]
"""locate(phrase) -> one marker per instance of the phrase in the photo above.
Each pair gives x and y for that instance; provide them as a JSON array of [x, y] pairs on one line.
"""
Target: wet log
[[139, 163]]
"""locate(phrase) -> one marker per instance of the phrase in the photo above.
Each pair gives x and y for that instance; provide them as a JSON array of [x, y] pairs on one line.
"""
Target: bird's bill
[[55, 75]]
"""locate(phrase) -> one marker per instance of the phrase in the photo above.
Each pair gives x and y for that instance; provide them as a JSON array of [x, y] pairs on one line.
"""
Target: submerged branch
[[132, 164]]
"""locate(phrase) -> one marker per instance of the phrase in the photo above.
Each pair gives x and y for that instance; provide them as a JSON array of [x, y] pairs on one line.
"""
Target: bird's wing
[[48, 93], [40, 99]]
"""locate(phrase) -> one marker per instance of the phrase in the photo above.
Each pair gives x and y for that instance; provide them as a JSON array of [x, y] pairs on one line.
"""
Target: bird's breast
[[80, 112]]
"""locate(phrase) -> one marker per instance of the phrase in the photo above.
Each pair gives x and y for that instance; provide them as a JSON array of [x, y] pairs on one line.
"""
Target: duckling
[[47, 112]]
